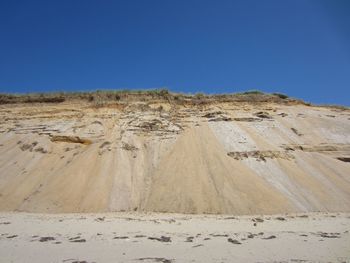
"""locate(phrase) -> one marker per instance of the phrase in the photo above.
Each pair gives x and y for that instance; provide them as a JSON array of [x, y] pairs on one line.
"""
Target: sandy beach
[[131, 237]]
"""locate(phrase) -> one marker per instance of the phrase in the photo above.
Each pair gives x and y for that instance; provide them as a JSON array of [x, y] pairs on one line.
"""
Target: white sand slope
[[233, 158]]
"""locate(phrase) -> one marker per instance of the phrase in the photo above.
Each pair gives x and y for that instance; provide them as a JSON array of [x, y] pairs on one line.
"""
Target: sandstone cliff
[[254, 154]]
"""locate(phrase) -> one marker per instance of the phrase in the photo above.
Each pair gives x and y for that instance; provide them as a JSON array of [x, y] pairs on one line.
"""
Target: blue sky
[[301, 48]]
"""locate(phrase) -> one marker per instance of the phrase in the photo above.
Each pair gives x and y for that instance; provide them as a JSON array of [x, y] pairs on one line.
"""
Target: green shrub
[[256, 92], [280, 95], [199, 95], [164, 92]]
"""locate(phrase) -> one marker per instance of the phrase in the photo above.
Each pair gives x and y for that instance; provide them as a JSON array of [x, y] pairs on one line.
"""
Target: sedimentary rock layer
[[155, 155]]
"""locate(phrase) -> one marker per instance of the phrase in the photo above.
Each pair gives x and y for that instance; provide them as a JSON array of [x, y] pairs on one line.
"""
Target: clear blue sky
[[301, 48]]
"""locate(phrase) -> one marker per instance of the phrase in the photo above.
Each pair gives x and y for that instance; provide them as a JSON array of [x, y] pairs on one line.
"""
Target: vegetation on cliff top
[[100, 97]]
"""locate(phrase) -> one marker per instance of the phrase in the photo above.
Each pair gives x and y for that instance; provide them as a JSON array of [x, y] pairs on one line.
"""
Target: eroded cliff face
[[217, 157]]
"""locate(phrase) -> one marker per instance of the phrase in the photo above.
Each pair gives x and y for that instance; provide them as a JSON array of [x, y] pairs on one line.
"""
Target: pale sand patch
[[125, 237]]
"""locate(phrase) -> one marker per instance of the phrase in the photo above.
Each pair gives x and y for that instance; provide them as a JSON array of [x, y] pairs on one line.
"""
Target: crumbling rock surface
[[263, 115], [70, 139], [260, 155], [247, 119], [229, 155]]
